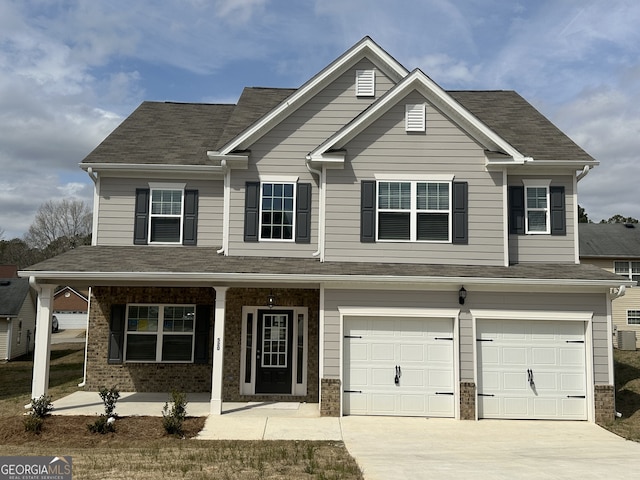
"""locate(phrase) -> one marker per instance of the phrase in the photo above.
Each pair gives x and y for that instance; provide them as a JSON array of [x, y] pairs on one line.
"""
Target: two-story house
[[616, 248], [369, 242]]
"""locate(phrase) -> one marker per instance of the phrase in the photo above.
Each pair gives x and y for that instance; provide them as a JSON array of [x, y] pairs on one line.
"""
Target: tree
[[582, 215], [17, 252], [620, 219], [60, 225]]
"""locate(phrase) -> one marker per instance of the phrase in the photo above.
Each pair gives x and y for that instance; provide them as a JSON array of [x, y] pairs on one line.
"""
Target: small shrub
[[109, 397], [103, 424], [172, 418], [42, 406], [33, 423]]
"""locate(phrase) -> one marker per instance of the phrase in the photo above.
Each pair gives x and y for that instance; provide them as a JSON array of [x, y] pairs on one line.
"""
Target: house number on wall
[[218, 344]]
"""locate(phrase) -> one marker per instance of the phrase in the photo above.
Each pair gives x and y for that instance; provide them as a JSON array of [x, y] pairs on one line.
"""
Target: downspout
[[86, 342], [226, 209], [576, 239], [96, 204], [584, 172], [321, 180]]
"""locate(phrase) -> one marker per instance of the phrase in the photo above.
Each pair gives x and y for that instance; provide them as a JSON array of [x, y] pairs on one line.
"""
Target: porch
[[238, 421]]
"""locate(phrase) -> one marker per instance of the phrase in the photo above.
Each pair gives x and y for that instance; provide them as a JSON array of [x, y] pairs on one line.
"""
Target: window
[[537, 212], [166, 216], [365, 83], [629, 269], [633, 317], [414, 211], [415, 118], [277, 209], [160, 333]]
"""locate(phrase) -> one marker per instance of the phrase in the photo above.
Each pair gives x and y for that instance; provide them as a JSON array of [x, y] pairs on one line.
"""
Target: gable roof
[[609, 240], [365, 48], [520, 124], [13, 292]]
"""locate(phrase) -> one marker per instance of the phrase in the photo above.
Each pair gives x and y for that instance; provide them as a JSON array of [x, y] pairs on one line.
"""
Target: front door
[[274, 351]]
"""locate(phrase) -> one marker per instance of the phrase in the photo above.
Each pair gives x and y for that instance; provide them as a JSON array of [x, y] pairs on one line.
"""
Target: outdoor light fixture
[[462, 294], [271, 300]]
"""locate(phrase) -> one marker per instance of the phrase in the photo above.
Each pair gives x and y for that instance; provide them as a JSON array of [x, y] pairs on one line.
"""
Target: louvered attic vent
[[365, 83], [415, 120]]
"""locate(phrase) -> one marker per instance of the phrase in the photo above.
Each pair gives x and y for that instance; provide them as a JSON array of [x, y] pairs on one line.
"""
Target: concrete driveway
[[417, 448]]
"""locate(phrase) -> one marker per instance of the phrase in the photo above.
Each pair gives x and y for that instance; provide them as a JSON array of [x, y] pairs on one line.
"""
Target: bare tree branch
[[67, 219]]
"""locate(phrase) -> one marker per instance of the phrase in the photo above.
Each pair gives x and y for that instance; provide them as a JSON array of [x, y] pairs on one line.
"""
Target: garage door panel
[[543, 356], [554, 353], [422, 348], [514, 356], [412, 353]]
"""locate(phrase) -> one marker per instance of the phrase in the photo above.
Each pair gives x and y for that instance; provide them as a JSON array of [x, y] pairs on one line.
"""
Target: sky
[[72, 70]]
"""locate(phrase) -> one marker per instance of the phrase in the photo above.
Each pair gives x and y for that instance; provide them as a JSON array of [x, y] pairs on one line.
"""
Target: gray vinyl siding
[[561, 302], [546, 248], [282, 152], [27, 316], [386, 148], [117, 202]]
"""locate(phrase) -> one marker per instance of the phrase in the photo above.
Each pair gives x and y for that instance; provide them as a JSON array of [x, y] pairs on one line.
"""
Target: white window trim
[[297, 389], [415, 117], [159, 333], [365, 83], [635, 316], [166, 186], [279, 180], [629, 272], [413, 211], [537, 184]]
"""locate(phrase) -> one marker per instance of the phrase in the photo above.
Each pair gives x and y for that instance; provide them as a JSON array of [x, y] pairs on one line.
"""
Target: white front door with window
[[399, 366], [531, 369]]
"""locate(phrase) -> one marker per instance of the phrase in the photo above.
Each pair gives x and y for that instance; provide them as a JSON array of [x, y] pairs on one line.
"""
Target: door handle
[[530, 378], [398, 375]]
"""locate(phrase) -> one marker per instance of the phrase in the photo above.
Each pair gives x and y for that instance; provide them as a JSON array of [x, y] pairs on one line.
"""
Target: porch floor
[[239, 421]]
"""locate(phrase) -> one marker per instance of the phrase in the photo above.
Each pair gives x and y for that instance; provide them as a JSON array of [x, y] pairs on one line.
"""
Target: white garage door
[[531, 369], [398, 366], [67, 321]]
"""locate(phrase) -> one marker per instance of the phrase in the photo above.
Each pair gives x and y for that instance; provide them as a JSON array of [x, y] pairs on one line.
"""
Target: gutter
[[102, 278]]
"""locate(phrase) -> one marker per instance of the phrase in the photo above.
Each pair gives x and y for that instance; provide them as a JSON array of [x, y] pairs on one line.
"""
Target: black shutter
[[460, 213], [190, 224], [558, 211], [141, 219], [368, 211], [203, 323], [516, 210], [303, 213], [116, 334], [251, 211]]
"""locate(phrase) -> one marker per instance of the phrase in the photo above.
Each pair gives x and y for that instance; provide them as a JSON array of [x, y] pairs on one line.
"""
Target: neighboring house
[[368, 241], [17, 318], [616, 248], [70, 308]]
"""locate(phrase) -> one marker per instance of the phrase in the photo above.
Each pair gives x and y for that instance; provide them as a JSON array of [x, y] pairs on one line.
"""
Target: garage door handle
[[444, 338], [576, 396], [353, 391], [353, 336], [486, 395], [575, 341], [444, 393]]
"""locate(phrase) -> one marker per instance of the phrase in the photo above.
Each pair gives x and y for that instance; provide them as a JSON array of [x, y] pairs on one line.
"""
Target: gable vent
[[415, 120], [365, 83]]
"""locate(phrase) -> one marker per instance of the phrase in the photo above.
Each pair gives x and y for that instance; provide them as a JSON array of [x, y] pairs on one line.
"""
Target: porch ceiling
[[109, 265]]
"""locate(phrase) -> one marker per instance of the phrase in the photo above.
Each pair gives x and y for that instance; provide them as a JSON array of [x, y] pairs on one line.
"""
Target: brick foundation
[[605, 404], [467, 401], [330, 403]]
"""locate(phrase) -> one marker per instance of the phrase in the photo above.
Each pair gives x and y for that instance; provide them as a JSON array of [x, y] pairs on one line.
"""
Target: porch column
[[218, 351], [42, 349]]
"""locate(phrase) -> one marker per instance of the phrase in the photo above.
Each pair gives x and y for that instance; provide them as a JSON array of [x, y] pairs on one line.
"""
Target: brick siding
[[467, 401], [605, 404]]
